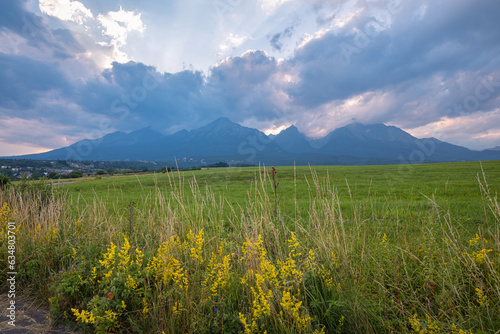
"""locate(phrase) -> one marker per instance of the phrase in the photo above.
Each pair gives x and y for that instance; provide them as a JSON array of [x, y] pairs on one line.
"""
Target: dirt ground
[[30, 318]]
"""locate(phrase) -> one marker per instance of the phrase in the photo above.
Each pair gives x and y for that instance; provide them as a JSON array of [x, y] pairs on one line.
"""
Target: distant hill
[[224, 140]]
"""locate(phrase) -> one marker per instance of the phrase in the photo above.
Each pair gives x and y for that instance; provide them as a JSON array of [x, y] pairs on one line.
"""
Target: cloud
[[119, 24], [103, 36], [43, 132], [66, 10], [277, 39], [412, 60], [23, 80], [482, 129], [409, 66], [231, 42], [269, 6]]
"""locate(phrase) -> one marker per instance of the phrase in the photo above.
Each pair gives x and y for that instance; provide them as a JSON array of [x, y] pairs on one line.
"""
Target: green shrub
[[4, 181]]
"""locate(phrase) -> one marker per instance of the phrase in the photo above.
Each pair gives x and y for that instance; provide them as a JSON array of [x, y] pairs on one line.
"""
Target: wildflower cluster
[[116, 284], [383, 243], [5, 216], [480, 254], [166, 267], [218, 273], [275, 286], [430, 326], [44, 237], [84, 316], [481, 298], [197, 245]]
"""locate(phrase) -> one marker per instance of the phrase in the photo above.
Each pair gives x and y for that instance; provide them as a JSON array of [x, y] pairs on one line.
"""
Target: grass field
[[368, 249], [378, 188]]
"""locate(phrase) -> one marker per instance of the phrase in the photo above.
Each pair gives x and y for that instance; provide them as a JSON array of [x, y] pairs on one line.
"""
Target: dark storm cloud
[[240, 87], [24, 80], [394, 52], [16, 18], [424, 55], [134, 95]]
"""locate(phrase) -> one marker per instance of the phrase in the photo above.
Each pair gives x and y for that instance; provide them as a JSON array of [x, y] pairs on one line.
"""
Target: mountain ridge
[[224, 140]]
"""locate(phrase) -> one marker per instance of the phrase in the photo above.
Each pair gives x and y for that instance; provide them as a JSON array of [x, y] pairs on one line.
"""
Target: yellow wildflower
[[124, 254], [196, 252], [138, 257], [145, 309], [383, 243], [109, 256], [311, 263], [218, 274], [481, 256], [481, 298], [474, 241], [177, 307], [84, 316], [131, 283], [93, 274], [293, 246]]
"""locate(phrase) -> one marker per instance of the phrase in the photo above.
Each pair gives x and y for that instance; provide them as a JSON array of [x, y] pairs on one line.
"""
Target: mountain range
[[224, 140]]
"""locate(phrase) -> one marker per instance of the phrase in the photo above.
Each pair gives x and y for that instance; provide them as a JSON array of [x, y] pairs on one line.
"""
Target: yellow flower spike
[[481, 298], [131, 283], [124, 255], [5, 215], [218, 274], [243, 319], [93, 274], [292, 307], [111, 317], [109, 256], [474, 241], [261, 249], [481, 256], [196, 252], [139, 256], [454, 330], [108, 274], [84, 316], [322, 331], [249, 248], [432, 326], [177, 307], [327, 277], [293, 245], [311, 263], [166, 267], [415, 323], [289, 272], [383, 243], [341, 322], [145, 309], [261, 306], [124, 306]]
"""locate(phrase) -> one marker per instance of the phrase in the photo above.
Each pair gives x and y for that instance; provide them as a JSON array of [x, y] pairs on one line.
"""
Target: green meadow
[[381, 189], [320, 249]]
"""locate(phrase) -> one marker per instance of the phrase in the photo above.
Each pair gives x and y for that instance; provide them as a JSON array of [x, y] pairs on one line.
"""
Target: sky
[[73, 70]]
